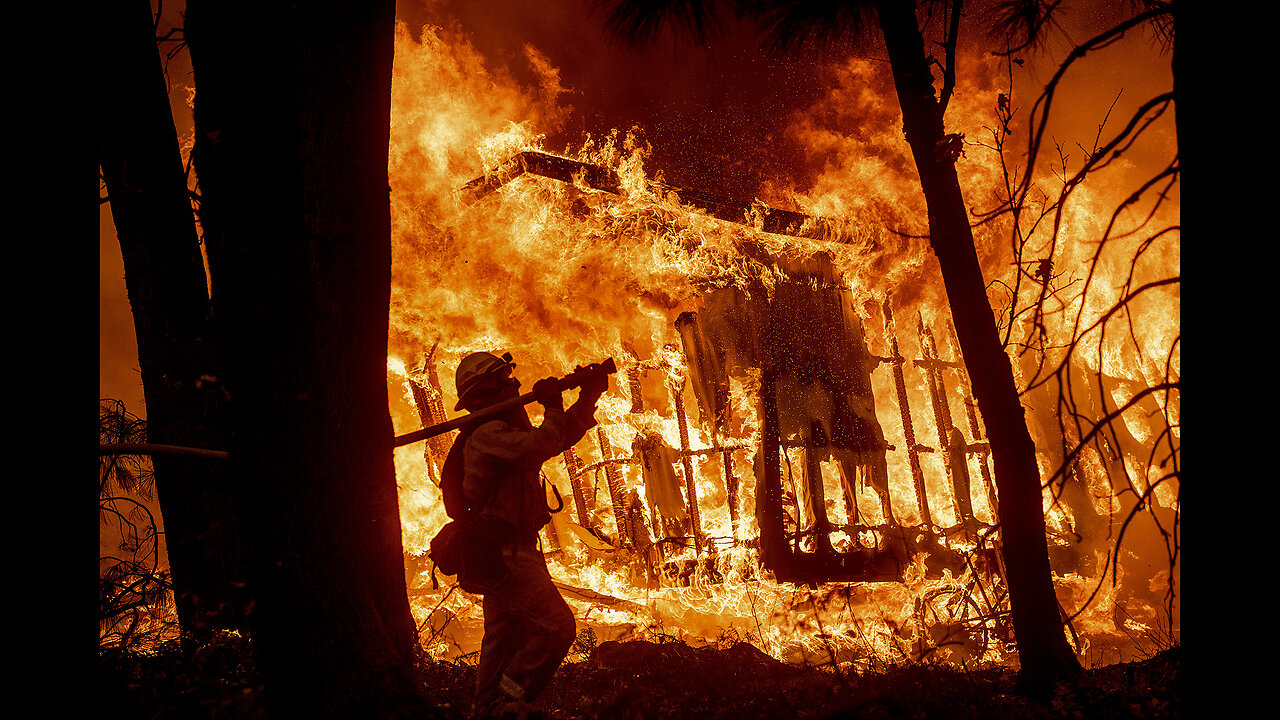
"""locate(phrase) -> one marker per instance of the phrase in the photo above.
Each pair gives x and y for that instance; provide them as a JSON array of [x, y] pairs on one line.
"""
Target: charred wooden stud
[[909, 433], [574, 467], [691, 488], [616, 493]]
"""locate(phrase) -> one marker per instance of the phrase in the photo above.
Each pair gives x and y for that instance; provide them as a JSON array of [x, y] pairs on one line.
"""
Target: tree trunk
[[1043, 650], [293, 119], [165, 279]]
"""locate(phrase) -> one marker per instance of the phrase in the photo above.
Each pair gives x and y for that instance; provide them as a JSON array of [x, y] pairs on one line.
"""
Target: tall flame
[[561, 274]]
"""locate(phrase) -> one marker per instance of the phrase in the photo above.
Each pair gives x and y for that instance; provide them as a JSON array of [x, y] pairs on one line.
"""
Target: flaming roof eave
[[752, 214]]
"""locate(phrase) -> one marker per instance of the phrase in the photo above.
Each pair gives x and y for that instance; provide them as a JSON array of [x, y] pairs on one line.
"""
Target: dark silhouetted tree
[[1091, 364], [165, 278], [292, 118]]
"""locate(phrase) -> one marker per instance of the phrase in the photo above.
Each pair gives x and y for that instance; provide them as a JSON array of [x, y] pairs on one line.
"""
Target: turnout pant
[[528, 630]]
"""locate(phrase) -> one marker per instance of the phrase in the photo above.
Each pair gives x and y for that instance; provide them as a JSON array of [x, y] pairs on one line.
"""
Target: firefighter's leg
[[549, 626], [504, 635]]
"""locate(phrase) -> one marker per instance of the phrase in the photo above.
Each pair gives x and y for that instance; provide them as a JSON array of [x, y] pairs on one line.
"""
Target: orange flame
[[561, 274]]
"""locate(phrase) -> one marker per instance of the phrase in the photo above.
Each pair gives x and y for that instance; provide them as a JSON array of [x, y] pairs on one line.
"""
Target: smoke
[[714, 115]]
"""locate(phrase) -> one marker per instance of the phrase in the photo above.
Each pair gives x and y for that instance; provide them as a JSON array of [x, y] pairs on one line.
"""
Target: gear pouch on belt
[[471, 548]]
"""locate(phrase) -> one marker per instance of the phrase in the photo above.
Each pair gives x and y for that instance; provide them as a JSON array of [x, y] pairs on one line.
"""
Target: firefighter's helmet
[[475, 369]]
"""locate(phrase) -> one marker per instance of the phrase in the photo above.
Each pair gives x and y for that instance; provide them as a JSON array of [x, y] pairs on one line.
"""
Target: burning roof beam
[[751, 213]]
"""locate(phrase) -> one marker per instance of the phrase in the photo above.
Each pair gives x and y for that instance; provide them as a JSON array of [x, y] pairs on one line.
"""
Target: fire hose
[[573, 380]]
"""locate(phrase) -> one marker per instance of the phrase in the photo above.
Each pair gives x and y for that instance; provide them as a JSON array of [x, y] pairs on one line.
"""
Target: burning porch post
[[774, 549], [690, 484], [634, 370], [958, 461], [616, 496], [642, 540], [731, 486], [429, 401], [909, 433], [421, 400], [949, 437], [574, 468]]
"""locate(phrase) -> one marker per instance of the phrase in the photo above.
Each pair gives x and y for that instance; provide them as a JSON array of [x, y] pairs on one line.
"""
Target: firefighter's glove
[[547, 392]]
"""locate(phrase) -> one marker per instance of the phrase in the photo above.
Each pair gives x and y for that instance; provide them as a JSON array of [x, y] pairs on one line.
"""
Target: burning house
[[745, 437], [789, 452]]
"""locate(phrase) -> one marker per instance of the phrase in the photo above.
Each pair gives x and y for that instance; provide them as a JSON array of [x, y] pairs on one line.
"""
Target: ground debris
[[670, 680], [216, 680]]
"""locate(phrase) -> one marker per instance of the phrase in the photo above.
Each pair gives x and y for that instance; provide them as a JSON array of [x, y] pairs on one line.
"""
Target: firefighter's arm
[[519, 446], [580, 417]]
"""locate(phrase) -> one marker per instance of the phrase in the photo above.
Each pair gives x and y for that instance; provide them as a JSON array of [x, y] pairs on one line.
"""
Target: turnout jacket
[[502, 463]]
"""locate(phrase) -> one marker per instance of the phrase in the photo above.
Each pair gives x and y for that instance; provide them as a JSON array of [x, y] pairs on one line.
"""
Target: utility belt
[[510, 546], [476, 549]]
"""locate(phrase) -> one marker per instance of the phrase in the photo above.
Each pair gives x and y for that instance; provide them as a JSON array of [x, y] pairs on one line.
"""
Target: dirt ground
[[670, 680]]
